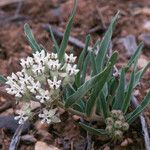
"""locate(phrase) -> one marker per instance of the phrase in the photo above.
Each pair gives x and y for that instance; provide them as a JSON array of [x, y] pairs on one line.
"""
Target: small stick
[[8, 2], [101, 17], [143, 123], [18, 8], [6, 105], [72, 40], [16, 138]]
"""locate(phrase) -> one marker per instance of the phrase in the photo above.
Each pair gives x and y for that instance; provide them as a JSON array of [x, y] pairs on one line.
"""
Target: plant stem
[[75, 112]]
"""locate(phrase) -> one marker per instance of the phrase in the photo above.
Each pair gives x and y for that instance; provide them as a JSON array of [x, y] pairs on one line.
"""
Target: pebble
[[43, 146], [28, 139]]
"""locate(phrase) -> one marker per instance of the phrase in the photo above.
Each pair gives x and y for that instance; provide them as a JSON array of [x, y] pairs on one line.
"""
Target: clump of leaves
[[104, 97]]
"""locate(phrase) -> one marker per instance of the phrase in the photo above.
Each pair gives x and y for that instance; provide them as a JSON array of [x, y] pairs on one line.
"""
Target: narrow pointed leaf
[[93, 63], [84, 69], [67, 33], [82, 90], [139, 109], [99, 85], [93, 130], [104, 107], [53, 38], [81, 60], [127, 99], [120, 91], [105, 44], [140, 73], [30, 37], [135, 55]]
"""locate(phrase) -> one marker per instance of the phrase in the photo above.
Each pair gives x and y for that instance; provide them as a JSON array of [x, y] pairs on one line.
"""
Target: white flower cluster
[[40, 79]]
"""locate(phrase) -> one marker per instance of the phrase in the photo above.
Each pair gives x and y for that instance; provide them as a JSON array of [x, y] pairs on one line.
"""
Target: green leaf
[[81, 60], [67, 33], [99, 85], [139, 109], [53, 38], [104, 45], [2, 79], [84, 69], [140, 73], [30, 37], [93, 130], [127, 99], [93, 63], [134, 57], [120, 91], [79, 106], [113, 85], [103, 105], [82, 90]]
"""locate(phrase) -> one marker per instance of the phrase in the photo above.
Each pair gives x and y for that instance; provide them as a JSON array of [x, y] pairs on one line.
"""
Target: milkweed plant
[[59, 79]]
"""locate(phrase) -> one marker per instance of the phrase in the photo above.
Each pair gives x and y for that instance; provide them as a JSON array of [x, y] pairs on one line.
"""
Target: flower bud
[[109, 121], [121, 118], [125, 126], [109, 129], [119, 112], [114, 114], [118, 124], [118, 134]]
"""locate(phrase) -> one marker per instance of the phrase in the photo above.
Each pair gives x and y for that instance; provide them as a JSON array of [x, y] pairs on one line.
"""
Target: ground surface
[[134, 14]]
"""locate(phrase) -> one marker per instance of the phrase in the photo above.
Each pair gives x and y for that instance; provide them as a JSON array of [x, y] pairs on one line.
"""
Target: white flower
[[72, 70], [26, 80], [34, 87], [26, 64], [23, 114], [49, 116], [53, 56], [44, 96], [54, 64], [70, 58], [38, 69], [54, 84], [21, 73], [12, 79], [41, 57], [20, 92], [11, 91]]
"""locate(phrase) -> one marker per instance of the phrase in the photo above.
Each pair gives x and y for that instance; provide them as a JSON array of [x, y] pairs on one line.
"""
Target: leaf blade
[[93, 130], [30, 37], [139, 109], [65, 39]]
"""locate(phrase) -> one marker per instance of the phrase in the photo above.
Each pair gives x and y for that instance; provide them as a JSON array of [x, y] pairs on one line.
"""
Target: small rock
[[146, 25], [29, 139], [124, 143], [130, 140], [7, 112], [43, 146], [76, 118], [142, 61], [136, 93], [129, 42], [145, 38], [106, 148], [8, 123], [143, 11]]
